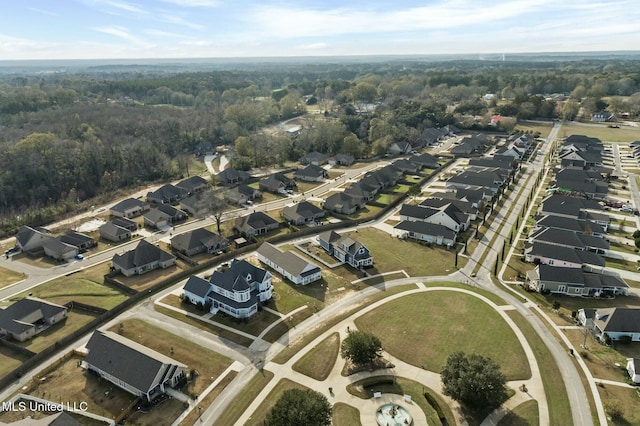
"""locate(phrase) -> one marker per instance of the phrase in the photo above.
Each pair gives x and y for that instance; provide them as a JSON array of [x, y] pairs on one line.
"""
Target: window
[[551, 262]]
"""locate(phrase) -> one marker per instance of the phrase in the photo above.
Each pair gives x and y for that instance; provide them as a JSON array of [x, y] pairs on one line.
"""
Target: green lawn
[[207, 363], [8, 277], [270, 401], [393, 254], [423, 329], [554, 388], [84, 287], [543, 128], [319, 361], [9, 359], [604, 133], [525, 414], [489, 295], [345, 415], [75, 320], [241, 402]]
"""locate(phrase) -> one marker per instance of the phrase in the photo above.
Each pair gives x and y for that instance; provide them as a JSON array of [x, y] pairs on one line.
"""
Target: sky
[[131, 29]]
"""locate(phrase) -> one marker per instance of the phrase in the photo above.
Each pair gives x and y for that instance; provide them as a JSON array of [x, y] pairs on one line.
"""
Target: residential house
[[276, 183], [142, 259], [566, 238], [399, 148], [341, 160], [167, 194], [242, 194], [112, 232], [425, 231], [560, 256], [131, 207], [617, 323], [407, 166], [238, 290], [125, 223], [586, 227], [345, 249], [584, 182], [163, 216], [513, 152], [197, 290], [301, 213], [193, 184], [633, 368], [430, 136], [582, 160], [314, 159], [343, 203], [29, 316], [449, 130], [199, 240], [131, 366], [495, 162], [567, 206], [31, 239], [256, 223], [311, 173], [489, 179], [361, 191], [56, 249], [467, 146], [585, 317], [232, 176], [79, 240], [447, 215], [425, 161], [574, 282], [289, 265], [197, 205]]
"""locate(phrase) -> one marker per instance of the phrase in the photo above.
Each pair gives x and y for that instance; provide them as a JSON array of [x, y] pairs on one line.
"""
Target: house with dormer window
[[345, 249]]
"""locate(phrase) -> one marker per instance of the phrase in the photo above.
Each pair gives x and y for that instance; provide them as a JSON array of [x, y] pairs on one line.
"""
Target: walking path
[[368, 407]]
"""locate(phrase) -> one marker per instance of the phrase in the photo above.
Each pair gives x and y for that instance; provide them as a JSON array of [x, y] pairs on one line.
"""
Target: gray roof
[[315, 156], [304, 210], [566, 205], [197, 237], [20, 316], [288, 261], [236, 278], [113, 229], [256, 220], [576, 277], [621, 320], [128, 204], [465, 207], [425, 160], [232, 175], [167, 193], [426, 229], [311, 171], [276, 181], [568, 238], [482, 178], [57, 246], [124, 222], [342, 200], [144, 254], [76, 238], [198, 286], [26, 233], [192, 183], [127, 360], [571, 224], [566, 254], [155, 215]]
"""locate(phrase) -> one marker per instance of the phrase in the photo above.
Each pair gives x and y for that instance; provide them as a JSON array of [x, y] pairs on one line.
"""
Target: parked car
[[79, 256]]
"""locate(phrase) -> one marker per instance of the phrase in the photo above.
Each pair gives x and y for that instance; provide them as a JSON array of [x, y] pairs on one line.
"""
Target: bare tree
[[216, 205]]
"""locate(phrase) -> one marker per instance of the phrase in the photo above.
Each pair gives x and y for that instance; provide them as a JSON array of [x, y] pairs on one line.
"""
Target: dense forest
[[67, 137]]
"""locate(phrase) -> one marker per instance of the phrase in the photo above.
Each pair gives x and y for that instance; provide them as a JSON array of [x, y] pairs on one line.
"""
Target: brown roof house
[[28, 317], [144, 258], [131, 366]]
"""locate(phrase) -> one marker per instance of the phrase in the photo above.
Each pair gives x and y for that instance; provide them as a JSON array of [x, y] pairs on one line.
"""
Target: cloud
[[172, 19], [159, 33], [127, 7], [313, 46], [12, 46], [123, 34], [194, 3], [44, 12]]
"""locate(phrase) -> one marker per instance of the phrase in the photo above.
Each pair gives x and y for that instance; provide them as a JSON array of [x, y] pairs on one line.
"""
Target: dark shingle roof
[[193, 183], [197, 237], [129, 203], [127, 360], [426, 229], [304, 210], [256, 220], [566, 254], [198, 286], [144, 254], [311, 171], [621, 320], [236, 277], [22, 314], [288, 261]]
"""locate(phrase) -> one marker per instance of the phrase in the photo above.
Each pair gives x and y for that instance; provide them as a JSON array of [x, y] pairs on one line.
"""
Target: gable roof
[[311, 171], [568, 238], [198, 286], [302, 210], [76, 238], [22, 314], [571, 224], [276, 181], [342, 200], [256, 220], [426, 228], [127, 360], [621, 320], [238, 277], [314, 156], [193, 183], [128, 204], [565, 254], [26, 233], [55, 245], [288, 261], [143, 254], [425, 160], [196, 238], [167, 193], [232, 175], [113, 229]]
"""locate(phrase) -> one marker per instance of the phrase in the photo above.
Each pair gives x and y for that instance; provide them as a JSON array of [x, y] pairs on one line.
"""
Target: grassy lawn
[[75, 319], [208, 364], [149, 279], [543, 128], [284, 326], [84, 287], [489, 295], [192, 417], [423, 329], [261, 320], [603, 133], [8, 277], [624, 398], [218, 331], [345, 415], [319, 361], [525, 414], [9, 359], [621, 264], [402, 386], [367, 211], [554, 388], [392, 254], [39, 262], [383, 198], [241, 402], [601, 359], [297, 345], [270, 401], [624, 248]]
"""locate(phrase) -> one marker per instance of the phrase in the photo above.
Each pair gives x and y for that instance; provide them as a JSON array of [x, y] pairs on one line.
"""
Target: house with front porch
[[345, 249], [617, 323], [575, 282], [131, 207], [29, 316], [311, 173], [131, 366], [289, 265], [424, 231], [167, 194], [256, 223], [560, 256], [301, 213], [144, 258], [199, 240], [238, 290]]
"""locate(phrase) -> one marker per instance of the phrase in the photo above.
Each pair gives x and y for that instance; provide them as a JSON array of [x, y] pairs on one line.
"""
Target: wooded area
[[68, 137]]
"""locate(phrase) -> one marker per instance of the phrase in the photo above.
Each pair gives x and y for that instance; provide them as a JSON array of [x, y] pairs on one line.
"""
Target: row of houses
[[36, 241]]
